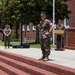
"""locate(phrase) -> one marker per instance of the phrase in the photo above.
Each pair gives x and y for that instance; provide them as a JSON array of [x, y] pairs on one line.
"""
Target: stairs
[[13, 64]]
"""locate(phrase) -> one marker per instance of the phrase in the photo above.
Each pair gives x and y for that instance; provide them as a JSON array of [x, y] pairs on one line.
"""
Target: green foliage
[[14, 36], [15, 11]]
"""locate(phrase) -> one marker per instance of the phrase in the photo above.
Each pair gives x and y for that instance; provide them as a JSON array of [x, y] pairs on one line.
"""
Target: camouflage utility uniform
[[7, 38], [61, 27], [45, 39]]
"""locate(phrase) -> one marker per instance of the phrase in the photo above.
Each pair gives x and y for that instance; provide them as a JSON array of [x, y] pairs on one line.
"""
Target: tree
[[1, 12], [29, 10]]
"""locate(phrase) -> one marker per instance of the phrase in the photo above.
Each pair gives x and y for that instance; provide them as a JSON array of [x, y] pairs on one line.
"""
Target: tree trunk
[[17, 32], [37, 35], [21, 34]]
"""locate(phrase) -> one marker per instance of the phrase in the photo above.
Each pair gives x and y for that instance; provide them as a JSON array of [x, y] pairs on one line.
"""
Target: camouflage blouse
[[45, 27], [7, 30]]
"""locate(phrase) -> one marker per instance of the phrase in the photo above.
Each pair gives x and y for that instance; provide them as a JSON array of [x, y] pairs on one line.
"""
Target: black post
[[37, 35], [21, 34]]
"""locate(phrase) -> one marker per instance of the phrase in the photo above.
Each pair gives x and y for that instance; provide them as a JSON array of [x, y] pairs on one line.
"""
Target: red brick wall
[[70, 33], [30, 34], [70, 39], [1, 36], [71, 4]]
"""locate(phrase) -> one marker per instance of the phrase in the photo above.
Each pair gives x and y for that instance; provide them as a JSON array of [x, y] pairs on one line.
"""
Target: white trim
[[33, 27], [23, 27], [65, 22], [28, 27]]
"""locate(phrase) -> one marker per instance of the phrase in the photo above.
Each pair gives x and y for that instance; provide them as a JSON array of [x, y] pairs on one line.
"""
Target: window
[[66, 22], [28, 27], [34, 27]]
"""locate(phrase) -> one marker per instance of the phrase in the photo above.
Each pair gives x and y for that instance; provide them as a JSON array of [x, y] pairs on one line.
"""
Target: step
[[12, 70], [58, 69], [7, 71], [3, 73], [32, 69]]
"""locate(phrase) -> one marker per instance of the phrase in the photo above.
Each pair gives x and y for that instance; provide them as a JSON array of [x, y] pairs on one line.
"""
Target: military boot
[[42, 57], [46, 58]]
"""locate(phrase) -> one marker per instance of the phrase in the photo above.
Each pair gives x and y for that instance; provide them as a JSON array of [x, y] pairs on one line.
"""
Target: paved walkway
[[65, 58]]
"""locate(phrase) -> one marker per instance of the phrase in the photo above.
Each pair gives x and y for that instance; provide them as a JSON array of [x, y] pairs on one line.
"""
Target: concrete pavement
[[65, 58]]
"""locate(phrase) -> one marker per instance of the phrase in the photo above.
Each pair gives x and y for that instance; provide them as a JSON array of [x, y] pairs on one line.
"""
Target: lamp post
[[22, 22], [53, 20], [21, 33]]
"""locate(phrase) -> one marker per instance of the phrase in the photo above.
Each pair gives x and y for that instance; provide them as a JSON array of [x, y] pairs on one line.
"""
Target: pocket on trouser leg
[[47, 52], [47, 43]]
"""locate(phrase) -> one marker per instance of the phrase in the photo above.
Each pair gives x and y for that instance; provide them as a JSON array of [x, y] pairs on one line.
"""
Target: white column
[[65, 22], [53, 20]]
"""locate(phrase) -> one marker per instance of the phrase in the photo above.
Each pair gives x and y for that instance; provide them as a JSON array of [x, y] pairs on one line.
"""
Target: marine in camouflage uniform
[[45, 38], [61, 27], [7, 32]]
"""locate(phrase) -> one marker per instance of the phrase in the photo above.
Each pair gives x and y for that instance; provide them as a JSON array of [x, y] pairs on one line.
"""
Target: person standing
[[7, 33], [45, 27], [61, 27]]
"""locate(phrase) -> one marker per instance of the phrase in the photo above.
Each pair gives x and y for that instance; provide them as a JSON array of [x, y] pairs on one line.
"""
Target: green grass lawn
[[31, 45], [38, 46], [2, 43]]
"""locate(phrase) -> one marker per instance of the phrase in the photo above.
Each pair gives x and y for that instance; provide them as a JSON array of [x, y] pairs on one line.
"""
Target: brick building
[[28, 32], [70, 32]]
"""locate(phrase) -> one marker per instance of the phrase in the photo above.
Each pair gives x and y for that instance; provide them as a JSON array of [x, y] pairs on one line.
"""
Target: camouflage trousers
[[7, 41], [45, 45]]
